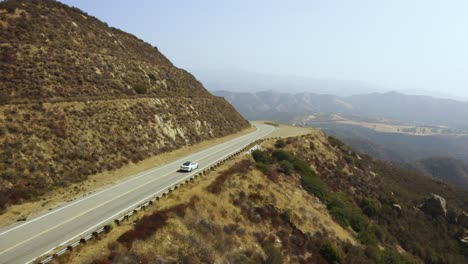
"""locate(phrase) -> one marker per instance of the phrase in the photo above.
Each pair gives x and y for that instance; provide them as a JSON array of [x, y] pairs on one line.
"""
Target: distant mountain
[[413, 109], [241, 81], [281, 107]]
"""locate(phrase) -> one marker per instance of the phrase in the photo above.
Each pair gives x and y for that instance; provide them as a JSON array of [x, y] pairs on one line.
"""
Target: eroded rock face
[[435, 206]]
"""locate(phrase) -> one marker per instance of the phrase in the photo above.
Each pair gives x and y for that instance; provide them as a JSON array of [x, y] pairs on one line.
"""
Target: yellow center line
[[108, 201]]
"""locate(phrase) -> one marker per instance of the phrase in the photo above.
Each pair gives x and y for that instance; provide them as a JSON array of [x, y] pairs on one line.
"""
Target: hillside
[[451, 170], [78, 97], [384, 126], [398, 147], [307, 199], [440, 157], [281, 107]]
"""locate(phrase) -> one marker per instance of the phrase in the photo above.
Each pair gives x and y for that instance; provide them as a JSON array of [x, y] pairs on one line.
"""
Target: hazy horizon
[[241, 81], [416, 47]]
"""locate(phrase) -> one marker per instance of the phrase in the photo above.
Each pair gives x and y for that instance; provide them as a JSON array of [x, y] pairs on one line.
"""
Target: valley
[[378, 125], [411, 143]]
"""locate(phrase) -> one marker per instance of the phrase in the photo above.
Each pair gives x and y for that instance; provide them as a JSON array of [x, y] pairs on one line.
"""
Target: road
[[25, 241]]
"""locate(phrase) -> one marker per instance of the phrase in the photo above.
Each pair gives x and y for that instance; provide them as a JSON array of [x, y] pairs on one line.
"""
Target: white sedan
[[189, 166]]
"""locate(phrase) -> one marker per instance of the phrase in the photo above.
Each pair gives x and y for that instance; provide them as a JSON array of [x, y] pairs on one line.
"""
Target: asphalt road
[[25, 241]]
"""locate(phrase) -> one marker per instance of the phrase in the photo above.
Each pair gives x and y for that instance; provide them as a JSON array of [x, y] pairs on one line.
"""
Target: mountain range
[[400, 108], [242, 81]]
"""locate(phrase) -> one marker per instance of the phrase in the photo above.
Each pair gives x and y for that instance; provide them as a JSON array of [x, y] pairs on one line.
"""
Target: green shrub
[[314, 185], [370, 206], [340, 216], [261, 157], [281, 155], [331, 252], [367, 236], [152, 76], [4, 99], [286, 167], [280, 143], [380, 233], [338, 199], [273, 255], [349, 159], [345, 214], [262, 167], [311, 182], [302, 167], [141, 89], [388, 256]]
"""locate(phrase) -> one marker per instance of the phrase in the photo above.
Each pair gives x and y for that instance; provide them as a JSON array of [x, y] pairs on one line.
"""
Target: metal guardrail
[[155, 198]]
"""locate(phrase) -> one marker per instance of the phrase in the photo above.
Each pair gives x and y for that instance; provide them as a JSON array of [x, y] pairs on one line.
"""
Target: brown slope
[[284, 205], [78, 97], [446, 169], [52, 51]]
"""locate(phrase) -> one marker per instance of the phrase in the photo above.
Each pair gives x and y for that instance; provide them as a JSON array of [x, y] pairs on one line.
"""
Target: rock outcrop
[[435, 206]]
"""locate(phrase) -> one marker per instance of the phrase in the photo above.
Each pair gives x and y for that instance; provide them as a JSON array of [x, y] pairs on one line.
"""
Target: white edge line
[[116, 185], [146, 198]]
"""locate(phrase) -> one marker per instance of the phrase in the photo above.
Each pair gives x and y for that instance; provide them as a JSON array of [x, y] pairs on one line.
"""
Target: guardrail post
[[107, 228]]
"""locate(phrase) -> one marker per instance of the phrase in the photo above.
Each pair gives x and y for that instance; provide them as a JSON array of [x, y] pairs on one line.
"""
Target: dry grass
[[101, 180], [219, 226], [57, 144], [79, 98]]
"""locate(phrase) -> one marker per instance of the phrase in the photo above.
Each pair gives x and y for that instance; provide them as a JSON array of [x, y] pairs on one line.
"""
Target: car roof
[[187, 163]]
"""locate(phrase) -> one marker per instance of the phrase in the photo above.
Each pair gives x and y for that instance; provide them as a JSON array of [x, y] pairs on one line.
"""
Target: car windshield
[[186, 163]]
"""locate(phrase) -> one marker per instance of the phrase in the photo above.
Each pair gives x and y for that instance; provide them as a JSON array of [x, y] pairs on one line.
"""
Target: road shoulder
[[100, 181]]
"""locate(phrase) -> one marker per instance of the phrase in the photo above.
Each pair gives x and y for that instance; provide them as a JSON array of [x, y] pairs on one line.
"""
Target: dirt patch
[[285, 130], [102, 180]]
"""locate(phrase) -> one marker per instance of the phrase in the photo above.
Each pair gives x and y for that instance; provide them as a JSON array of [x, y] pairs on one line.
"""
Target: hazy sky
[[400, 44]]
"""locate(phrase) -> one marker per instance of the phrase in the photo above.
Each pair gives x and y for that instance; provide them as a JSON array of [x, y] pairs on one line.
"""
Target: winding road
[[26, 241]]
